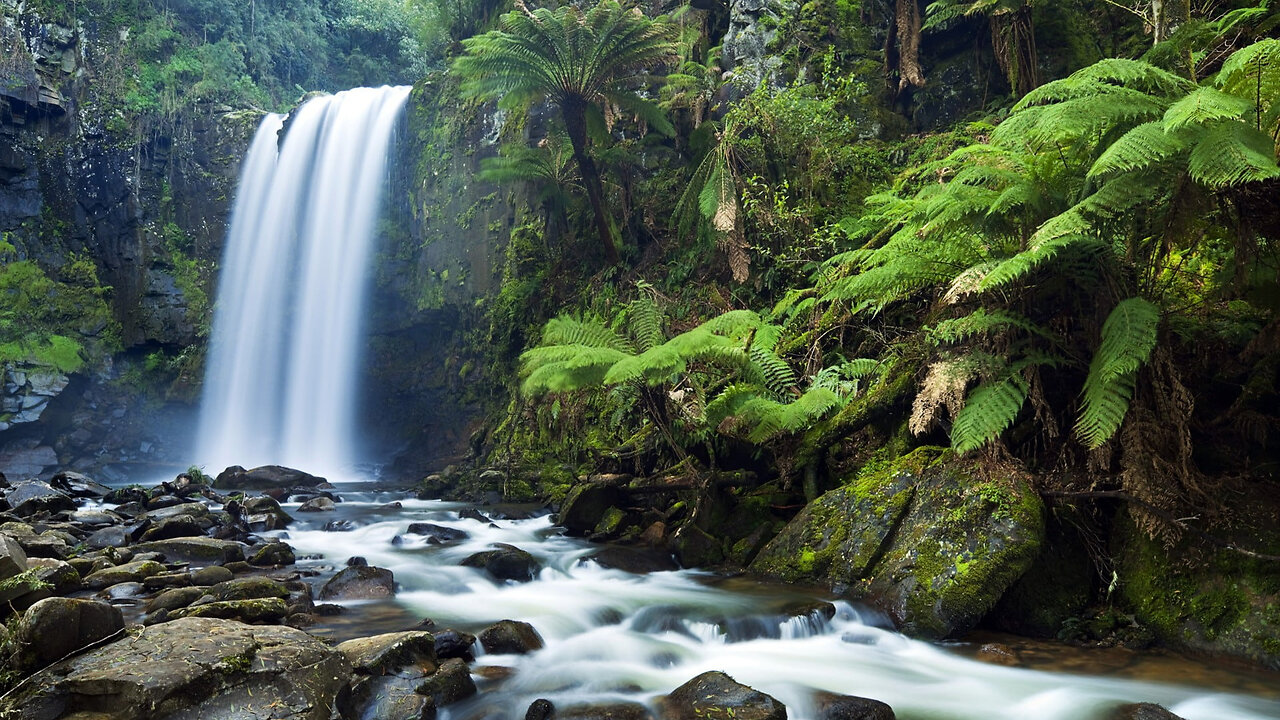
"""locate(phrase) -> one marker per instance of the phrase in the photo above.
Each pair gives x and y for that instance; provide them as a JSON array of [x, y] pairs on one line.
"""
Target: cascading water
[[281, 380]]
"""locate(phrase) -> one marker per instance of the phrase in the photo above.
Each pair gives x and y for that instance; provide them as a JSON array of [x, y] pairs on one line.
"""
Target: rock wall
[[145, 198]]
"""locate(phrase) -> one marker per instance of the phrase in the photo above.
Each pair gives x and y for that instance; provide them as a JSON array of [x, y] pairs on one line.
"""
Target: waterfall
[[281, 381]]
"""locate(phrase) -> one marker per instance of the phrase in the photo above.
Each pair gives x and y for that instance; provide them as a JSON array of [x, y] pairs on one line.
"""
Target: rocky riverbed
[[193, 599]]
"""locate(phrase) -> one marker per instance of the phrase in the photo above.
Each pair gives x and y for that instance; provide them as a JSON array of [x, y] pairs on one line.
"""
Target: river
[[612, 635]]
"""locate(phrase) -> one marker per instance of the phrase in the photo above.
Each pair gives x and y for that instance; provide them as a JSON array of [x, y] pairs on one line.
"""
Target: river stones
[[248, 588], [13, 559], [55, 627], [126, 573], [1142, 711], [604, 711], [272, 553], [211, 575], [846, 707], [264, 513], [33, 496], [175, 598], [455, 644], [437, 534], [196, 550], [77, 485], [191, 669], [61, 575], [449, 684], [586, 504], [360, 583], [318, 504], [510, 637], [715, 694], [257, 610], [929, 539], [267, 477], [176, 527], [633, 560], [506, 562], [391, 652]]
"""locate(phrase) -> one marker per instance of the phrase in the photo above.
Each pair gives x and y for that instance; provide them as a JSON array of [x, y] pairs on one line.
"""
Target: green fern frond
[[1022, 264], [1141, 147], [645, 321], [561, 368], [1251, 67], [565, 330], [1233, 153], [988, 411], [1128, 337], [981, 322], [777, 372], [1203, 106]]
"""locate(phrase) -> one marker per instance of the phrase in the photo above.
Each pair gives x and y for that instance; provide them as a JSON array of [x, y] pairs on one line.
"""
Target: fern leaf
[[1233, 153], [565, 330], [645, 322], [1141, 147], [1204, 106], [981, 322], [1128, 337], [988, 411]]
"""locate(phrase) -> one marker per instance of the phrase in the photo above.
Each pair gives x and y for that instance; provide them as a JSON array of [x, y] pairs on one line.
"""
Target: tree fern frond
[[981, 322], [777, 372], [1233, 153], [1141, 147], [645, 322], [565, 330], [1203, 106], [562, 368], [1128, 337], [988, 411]]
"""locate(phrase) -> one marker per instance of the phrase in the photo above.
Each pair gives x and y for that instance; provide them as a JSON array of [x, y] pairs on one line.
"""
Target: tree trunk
[[575, 122]]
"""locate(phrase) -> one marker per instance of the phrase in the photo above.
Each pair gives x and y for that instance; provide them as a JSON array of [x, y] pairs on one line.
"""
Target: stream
[[612, 635]]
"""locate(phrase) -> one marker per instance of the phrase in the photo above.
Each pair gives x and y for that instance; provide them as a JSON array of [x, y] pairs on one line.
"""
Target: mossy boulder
[[1201, 597], [258, 610], [196, 550], [586, 505], [129, 572], [931, 539], [716, 695]]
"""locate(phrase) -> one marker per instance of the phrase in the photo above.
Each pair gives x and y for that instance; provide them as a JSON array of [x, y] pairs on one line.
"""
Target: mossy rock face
[[1057, 587], [1204, 598], [259, 610], [927, 538]]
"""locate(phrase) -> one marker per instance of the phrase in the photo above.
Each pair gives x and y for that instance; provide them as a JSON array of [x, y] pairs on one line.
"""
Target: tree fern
[[1128, 337], [1141, 147], [1232, 154], [1204, 105], [988, 411]]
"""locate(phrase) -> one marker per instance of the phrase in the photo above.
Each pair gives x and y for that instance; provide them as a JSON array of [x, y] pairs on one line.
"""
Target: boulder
[[174, 598], [437, 534], [1142, 711], [455, 644], [128, 572], [391, 653], [13, 559], [696, 548], [196, 550], [193, 669], [264, 513], [274, 553], [846, 707], [604, 711], [318, 504], [449, 684], [267, 477], [56, 627], [633, 560], [174, 527], [211, 575], [507, 562], [360, 583], [28, 498], [339, 526], [257, 610], [61, 575], [586, 504], [108, 537], [929, 539], [247, 589], [78, 486], [715, 694], [510, 637], [194, 509]]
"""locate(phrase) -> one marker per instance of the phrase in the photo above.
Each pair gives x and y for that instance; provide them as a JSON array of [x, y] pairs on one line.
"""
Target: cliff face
[[145, 200]]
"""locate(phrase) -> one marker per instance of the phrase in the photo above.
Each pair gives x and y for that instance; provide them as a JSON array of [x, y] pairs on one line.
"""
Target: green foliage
[[1128, 337]]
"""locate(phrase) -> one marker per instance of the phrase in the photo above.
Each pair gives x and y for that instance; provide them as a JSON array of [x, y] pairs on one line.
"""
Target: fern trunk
[[574, 111]]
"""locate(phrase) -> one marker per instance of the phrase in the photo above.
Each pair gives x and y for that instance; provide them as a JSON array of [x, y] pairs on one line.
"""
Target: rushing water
[[612, 635], [281, 383]]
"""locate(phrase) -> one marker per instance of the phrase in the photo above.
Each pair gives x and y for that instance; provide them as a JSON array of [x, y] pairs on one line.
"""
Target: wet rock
[[124, 495], [196, 550], [91, 517], [46, 545], [605, 711], [391, 653], [695, 548], [160, 502], [472, 514], [998, 654], [359, 583], [846, 707], [194, 509], [1142, 711], [191, 668], [449, 684], [28, 498], [61, 575], [437, 534], [928, 539], [510, 637], [540, 709], [258, 610], [174, 599], [263, 513], [266, 477], [339, 526], [715, 694], [634, 560], [357, 561], [455, 644], [167, 580], [108, 537], [13, 559], [175, 527], [318, 504], [248, 589], [275, 553], [211, 575], [78, 486], [586, 504], [507, 562], [129, 572], [55, 627]]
